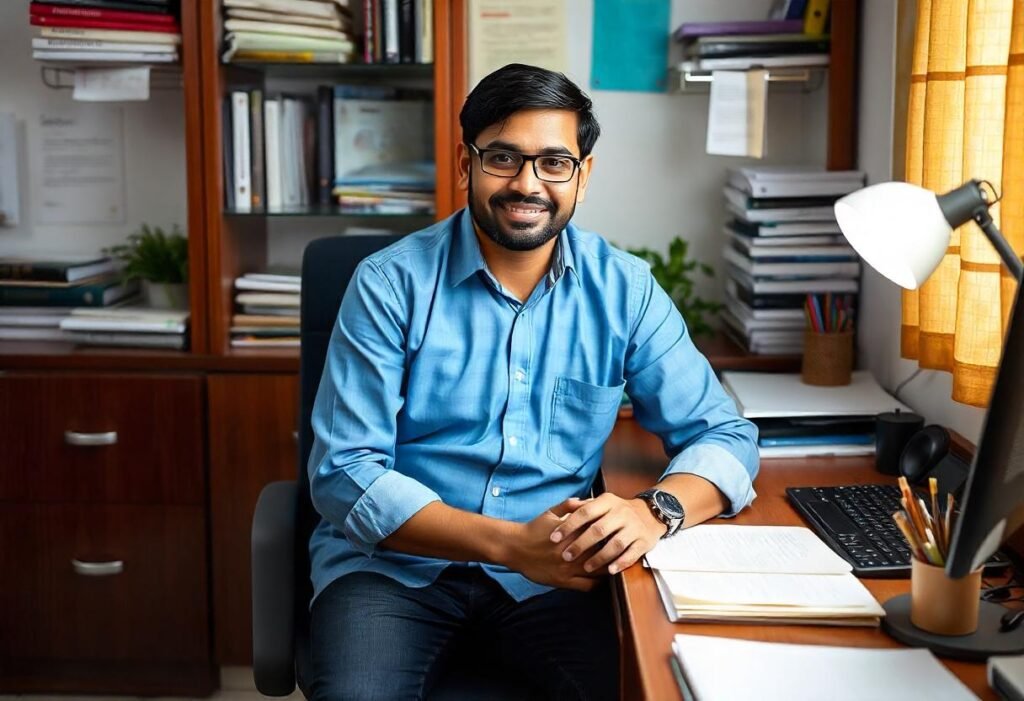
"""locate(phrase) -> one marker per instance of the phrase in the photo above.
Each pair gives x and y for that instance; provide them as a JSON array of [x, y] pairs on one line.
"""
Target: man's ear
[[463, 161], [585, 167]]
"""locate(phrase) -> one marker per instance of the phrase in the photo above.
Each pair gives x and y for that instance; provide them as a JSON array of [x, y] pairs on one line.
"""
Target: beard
[[518, 236]]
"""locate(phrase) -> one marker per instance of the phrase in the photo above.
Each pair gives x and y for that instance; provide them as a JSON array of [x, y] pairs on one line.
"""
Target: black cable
[[896, 392]]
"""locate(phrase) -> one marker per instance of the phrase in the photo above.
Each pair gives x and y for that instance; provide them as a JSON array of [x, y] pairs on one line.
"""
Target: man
[[473, 377]]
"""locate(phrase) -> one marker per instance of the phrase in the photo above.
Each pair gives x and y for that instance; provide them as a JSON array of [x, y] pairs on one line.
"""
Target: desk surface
[[633, 460]]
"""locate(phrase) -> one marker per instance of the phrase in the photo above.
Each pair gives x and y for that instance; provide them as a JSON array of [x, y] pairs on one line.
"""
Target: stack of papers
[[761, 574], [709, 668], [797, 420]]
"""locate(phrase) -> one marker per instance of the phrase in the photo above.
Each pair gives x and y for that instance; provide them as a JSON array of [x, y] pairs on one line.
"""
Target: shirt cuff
[[390, 501], [719, 467]]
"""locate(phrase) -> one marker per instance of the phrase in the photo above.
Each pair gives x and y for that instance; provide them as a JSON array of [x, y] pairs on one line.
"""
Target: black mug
[[893, 430]]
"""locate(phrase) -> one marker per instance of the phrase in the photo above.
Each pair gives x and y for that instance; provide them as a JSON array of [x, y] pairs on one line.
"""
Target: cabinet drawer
[[103, 583], [101, 438]]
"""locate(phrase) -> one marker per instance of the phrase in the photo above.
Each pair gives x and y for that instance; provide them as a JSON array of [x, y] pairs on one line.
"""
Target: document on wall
[[111, 84], [736, 113], [80, 165], [535, 32], [9, 185]]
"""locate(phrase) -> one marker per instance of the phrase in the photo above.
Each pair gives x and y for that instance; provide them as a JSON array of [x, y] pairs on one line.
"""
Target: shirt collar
[[467, 260]]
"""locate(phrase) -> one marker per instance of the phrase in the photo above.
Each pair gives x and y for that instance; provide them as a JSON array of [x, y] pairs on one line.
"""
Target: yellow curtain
[[966, 120]]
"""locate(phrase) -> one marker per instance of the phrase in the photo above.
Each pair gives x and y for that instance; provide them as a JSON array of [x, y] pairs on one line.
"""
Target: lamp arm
[[999, 242]]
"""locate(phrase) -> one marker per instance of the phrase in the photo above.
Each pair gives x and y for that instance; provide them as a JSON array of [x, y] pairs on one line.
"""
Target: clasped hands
[[578, 541]]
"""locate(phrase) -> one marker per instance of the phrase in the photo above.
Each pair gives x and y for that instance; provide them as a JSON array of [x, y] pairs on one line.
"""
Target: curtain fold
[[966, 120]]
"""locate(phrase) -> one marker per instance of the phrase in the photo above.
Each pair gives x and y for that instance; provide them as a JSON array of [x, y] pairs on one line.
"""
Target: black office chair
[[285, 517]]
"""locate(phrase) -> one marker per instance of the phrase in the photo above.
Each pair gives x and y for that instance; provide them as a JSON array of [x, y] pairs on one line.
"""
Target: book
[[128, 320], [746, 63], [783, 395], [777, 45], [805, 242], [47, 10], [247, 25], [31, 333], [109, 35], [258, 342], [816, 16], [99, 46], [335, 22], [692, 30], [265, 320], [54, 270], [248, 283], [258, 180], [259, 41], [792, 267], [788, 672], [173, 341], [105, 56], [781, 574], [265, 56], [272, 128], [241, 150], [307, 8], [324, 143], [268, 299], [84, 23], [759, 285], [794, 181], [792, 228], [94, 292], [150, 6]]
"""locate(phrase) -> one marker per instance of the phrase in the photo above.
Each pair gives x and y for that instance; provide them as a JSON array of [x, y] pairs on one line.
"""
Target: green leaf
[[152, 254]]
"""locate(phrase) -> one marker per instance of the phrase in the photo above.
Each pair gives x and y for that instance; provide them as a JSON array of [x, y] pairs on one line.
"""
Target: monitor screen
[[992, 506]]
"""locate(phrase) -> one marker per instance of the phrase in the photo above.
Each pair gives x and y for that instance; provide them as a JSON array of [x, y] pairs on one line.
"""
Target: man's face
[[524, 212]]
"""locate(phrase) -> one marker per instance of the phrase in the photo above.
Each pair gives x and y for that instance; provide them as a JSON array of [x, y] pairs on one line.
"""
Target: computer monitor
[[992, 505]]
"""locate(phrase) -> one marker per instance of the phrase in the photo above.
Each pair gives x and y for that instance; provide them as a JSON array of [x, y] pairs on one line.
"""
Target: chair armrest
[[273, 589]]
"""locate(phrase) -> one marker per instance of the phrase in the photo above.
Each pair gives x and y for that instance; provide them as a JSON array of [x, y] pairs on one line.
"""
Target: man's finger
[[627, 559], [616, 547], [591, 510], [604, 528], [567, 507]]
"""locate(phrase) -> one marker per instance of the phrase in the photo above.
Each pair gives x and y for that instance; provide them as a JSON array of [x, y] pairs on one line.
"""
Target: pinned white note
[[736, 113], [111, 84]]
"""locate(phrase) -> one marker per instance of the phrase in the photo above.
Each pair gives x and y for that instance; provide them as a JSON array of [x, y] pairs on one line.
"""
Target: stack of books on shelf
[[398, 31], [105, 31], [127, 326], [366, 149], [36, 295], [781, 244], [793, 37], [268, 309], [288, 31]]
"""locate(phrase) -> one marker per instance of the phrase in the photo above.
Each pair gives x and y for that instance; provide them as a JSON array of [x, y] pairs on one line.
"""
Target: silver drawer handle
[[76, 438], [98, 569]]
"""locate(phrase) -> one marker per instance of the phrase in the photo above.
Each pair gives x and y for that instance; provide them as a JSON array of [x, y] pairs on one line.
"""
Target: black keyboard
[[856, 522]]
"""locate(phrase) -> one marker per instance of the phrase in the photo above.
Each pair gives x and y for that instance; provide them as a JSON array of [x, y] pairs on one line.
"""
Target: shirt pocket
[[582, 417]]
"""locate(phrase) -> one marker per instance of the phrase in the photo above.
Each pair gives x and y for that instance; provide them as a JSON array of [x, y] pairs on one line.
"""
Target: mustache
[[499, 200]]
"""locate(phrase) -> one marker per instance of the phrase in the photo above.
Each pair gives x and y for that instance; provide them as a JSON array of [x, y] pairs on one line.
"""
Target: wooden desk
[[633, 460]]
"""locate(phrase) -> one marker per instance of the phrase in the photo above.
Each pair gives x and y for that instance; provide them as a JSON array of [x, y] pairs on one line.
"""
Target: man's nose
[[526, 182]]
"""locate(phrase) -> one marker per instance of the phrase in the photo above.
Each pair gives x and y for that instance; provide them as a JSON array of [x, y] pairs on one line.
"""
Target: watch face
[[669, 504]]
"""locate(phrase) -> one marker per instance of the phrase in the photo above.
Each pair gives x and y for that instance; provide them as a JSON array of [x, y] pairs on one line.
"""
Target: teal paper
[[630, 47]]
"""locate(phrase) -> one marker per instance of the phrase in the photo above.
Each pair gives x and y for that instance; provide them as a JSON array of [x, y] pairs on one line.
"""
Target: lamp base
[[986, 641]]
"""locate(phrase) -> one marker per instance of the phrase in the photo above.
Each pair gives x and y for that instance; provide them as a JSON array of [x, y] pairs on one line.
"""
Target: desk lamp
[[903, 232]]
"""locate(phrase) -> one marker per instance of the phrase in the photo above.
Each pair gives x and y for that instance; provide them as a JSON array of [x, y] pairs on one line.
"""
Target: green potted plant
[[676, 275], [160, 261]]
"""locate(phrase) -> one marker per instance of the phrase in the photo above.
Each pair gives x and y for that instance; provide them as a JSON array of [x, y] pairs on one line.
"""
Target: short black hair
[[517, 87]]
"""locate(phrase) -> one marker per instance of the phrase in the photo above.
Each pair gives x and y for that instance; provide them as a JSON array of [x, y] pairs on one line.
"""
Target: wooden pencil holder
[[828, 358], [941, 605]]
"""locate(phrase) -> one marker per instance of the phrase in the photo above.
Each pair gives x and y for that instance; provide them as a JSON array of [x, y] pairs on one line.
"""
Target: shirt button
[[495, 492], [513, 441], [520, 375]]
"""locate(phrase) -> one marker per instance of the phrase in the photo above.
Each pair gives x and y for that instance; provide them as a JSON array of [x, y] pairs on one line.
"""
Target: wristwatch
[[666, 508]]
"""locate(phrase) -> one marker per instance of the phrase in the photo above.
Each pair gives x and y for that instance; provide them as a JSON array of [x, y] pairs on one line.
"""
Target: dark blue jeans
[[374, 638]]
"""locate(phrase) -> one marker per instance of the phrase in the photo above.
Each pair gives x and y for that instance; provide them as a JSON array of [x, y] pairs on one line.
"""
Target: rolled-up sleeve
[[353, 481], [676, 396]]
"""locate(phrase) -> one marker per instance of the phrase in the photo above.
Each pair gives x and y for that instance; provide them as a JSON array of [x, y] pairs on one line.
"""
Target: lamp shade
[[897, 228]]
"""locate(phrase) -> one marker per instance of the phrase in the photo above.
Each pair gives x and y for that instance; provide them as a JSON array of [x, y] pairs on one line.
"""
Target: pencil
[[904, 525], [948, 525], [940, 536]]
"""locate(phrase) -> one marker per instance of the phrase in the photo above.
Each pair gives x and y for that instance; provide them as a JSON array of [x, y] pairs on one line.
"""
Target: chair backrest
[[327, 267]]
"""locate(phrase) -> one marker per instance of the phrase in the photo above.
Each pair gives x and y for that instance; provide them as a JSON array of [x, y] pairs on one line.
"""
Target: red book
[[44, 10], [43, 21]]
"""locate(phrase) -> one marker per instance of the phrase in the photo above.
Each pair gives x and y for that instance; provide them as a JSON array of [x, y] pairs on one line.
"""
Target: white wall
[[154, 152], [879, 330]]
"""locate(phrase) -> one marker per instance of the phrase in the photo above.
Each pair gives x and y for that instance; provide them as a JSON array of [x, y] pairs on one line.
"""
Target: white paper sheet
[[111, 84], [812, 591], [729, 668], [79, 165], [534, 32], [728, 548], [736, 113]]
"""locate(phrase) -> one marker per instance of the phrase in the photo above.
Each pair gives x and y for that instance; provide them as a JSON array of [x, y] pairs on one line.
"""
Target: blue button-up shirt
[[440, 385]]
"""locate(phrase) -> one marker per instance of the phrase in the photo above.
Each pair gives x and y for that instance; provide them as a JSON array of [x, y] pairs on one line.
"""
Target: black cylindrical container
[[892, 431]]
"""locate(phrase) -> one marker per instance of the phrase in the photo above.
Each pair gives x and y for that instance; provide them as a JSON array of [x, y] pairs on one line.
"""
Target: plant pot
[[165, 295]]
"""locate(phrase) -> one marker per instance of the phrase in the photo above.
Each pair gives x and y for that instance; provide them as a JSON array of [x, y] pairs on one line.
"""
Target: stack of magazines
[[268, 309], [137, 327], [106, 31], [287, 31], [782, 242]]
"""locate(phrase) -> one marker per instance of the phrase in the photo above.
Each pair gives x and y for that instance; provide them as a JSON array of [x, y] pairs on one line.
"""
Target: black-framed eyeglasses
[[552, 168]]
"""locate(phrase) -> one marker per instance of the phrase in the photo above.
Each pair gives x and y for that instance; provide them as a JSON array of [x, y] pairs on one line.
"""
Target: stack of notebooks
[[288, 31], [268, 305], [397, 31], [367, 149], [782, 242], [106, 31], [758, 574], [712, 46], [796, 419], [137, 327], [709, 668], [36, 294]]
